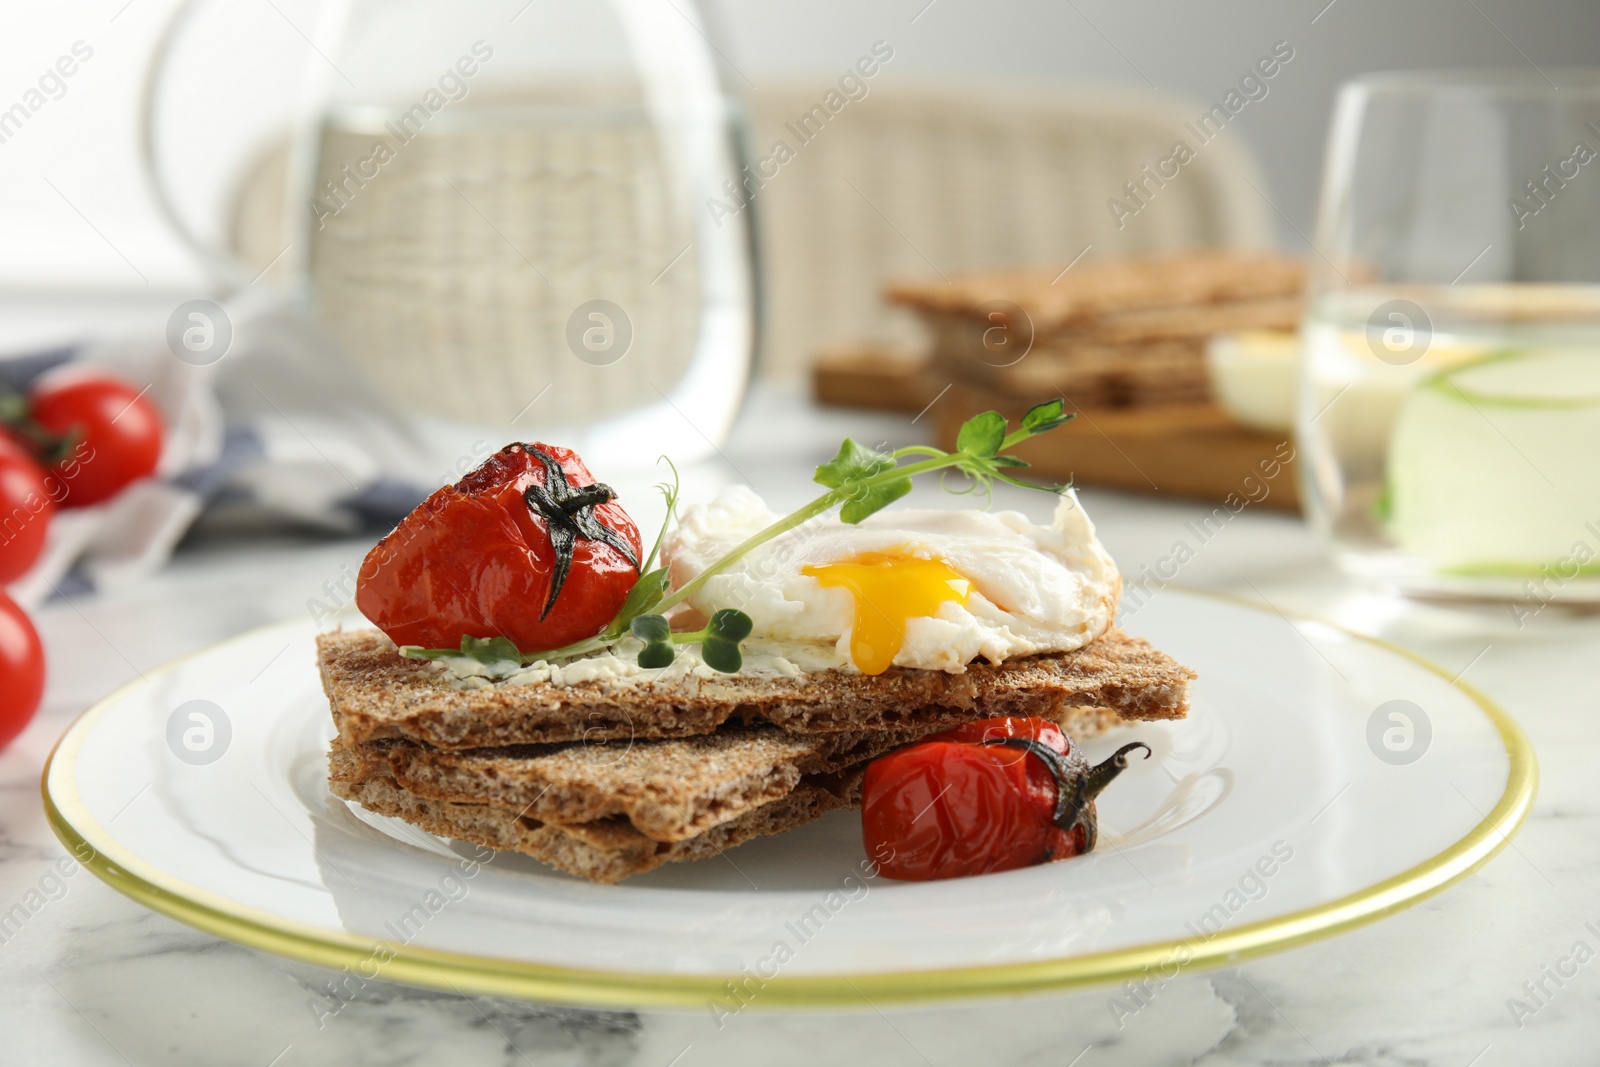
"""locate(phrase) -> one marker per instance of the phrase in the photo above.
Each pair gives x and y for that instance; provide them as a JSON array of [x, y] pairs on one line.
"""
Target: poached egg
[[908, 588]]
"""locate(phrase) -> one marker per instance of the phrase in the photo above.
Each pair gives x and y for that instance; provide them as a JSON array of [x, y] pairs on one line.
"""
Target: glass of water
[[1449, 410], [519, 219]]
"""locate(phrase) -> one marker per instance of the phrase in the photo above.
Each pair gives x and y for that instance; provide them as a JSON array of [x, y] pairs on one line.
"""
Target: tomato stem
[[16, 415], [1101, 774], [1067, 769], [1075, 787]]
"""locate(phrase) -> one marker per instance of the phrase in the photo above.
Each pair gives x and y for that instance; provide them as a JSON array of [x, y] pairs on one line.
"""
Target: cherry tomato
[[992, 795], [528, 547], [26, 506], [114, 432], [21, 670]]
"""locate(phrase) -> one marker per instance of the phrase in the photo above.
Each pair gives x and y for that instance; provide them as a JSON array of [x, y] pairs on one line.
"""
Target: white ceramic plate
[[1290, 805]]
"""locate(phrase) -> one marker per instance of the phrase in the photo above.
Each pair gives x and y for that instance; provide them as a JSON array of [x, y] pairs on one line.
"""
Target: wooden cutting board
[[1189, 450]]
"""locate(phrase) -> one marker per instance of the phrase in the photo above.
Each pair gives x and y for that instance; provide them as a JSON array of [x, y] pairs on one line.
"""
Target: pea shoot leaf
[[418, 652], [854, 463], [730, 624], [488, 650], [864, 500], [982, 435], [656, 633], [657, 654], [848, 472], [651, 629], [1042, 418], [645, 594], [721, 655]]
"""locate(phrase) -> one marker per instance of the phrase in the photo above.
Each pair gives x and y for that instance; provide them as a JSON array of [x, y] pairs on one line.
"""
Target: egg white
[[1033, 588]]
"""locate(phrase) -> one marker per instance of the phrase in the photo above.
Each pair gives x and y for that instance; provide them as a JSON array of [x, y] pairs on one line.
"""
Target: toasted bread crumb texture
[[606, 851], [1053, 301], [377, 694], [669, 790]]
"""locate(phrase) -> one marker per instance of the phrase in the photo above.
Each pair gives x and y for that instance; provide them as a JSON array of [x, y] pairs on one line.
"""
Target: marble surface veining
[[1484, 974]]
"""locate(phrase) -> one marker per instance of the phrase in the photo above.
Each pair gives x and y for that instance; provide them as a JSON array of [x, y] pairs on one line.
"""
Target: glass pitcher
[[511, 216]]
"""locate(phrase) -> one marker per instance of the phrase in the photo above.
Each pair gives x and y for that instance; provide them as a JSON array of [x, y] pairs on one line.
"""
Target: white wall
[[97, 228], [1194, 49]]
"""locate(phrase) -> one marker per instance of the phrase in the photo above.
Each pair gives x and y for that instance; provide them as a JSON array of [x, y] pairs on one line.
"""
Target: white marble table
[[93, 978]]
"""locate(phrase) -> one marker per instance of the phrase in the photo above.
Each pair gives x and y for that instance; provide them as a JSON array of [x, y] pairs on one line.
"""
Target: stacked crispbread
[[1125, 333], [608, 778]]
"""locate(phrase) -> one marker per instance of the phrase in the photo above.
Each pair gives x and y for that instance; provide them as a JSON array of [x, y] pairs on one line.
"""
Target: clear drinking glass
[[1449, 412]]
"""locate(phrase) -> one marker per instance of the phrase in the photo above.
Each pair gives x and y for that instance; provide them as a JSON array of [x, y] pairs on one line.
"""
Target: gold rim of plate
[[133, 877]]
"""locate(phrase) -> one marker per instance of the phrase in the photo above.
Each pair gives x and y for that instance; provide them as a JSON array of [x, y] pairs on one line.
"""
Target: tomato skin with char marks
[[527, 546], [991, 795]]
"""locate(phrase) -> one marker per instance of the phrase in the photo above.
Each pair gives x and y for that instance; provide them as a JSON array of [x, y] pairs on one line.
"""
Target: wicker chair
[[935, 180]]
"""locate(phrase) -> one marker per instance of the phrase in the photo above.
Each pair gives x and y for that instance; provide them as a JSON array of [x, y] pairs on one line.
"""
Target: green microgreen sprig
[[719, 641], [860, 481]]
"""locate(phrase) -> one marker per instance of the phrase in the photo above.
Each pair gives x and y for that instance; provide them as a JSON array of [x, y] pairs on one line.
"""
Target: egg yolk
[[889, 590]]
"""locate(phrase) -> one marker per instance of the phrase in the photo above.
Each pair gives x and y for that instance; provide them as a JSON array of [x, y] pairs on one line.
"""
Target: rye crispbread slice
[[668, 790], [1131, 332], [1054, 300], [376, 693], [1117, 376], [1153, 356], [607, 850]]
